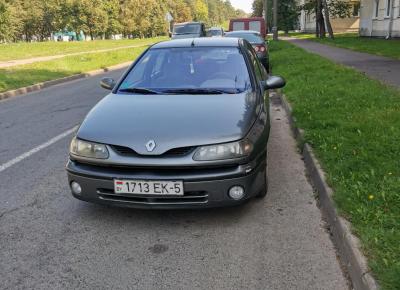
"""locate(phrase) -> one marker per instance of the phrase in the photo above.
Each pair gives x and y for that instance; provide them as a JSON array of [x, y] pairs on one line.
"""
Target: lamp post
[[266, 14], [275, 20]]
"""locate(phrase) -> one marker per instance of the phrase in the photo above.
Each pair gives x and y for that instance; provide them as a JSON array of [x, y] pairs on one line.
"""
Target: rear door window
[[260, 72]]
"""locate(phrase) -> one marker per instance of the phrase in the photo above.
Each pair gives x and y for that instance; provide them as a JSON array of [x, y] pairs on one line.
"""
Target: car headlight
[[88, 149], [224, 151]]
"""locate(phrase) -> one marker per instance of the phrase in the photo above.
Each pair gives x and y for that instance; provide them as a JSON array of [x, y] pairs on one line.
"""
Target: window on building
[[356, 10], [388, 8], [398, 9], [376, 8]]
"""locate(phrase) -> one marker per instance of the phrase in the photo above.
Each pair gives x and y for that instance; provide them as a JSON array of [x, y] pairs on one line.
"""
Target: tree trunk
[[316, 22], [328, 22], [91, 33], [320, 20]]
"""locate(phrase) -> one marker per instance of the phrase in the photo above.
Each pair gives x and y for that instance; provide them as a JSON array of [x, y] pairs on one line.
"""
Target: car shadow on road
[[224, 215]]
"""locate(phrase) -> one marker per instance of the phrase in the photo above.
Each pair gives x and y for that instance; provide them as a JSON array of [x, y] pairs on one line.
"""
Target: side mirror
[[170, 34], [107, 83], [274, 82]]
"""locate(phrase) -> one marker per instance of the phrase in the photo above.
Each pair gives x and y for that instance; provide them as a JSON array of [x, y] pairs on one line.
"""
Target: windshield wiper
[[200, 91], [143, 91]]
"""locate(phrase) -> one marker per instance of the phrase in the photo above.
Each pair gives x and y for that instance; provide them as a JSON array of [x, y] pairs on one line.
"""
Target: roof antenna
[[192, 43]]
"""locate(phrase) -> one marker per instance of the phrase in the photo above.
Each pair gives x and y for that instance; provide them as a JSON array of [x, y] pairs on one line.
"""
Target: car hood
[[172, 121]]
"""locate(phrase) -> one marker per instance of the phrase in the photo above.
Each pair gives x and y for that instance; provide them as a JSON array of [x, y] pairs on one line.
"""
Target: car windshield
[[215, 32], [187, 29], [250, 37], [189, 70]]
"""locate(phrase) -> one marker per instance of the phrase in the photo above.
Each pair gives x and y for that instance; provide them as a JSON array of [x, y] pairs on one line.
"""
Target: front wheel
[[264, 189]]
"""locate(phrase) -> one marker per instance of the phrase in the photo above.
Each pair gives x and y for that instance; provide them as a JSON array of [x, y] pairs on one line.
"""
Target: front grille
[[126, 151], [189, 198], [182, 151], [209, 172]]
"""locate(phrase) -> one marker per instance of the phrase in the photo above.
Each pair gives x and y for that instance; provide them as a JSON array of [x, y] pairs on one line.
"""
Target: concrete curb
[[40, 86], [347, 244]]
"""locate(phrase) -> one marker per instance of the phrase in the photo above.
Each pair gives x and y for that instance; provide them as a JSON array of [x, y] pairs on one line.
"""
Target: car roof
[[198, 42], [185, 23], [215, 28], [244, 32], [248, 19]]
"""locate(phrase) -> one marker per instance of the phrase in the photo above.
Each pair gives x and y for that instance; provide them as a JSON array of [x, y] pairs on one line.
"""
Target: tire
[[264, 190]]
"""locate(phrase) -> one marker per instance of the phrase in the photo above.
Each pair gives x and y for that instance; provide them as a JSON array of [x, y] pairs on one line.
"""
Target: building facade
[[350, 24], [380, 18]]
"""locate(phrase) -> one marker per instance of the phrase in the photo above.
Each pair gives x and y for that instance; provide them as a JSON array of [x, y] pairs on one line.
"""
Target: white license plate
[[148, 187]]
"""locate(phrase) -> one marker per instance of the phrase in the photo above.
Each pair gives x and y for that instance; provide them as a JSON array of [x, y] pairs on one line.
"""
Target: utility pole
[[275, 20], [266, 14]]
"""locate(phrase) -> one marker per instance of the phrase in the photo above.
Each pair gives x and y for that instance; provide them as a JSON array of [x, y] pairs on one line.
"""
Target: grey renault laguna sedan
[[185, 127]]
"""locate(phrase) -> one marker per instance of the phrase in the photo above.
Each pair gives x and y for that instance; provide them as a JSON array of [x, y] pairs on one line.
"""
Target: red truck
[[253, 23]]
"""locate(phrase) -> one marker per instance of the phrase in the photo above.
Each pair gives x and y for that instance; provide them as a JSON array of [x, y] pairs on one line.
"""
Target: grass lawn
[[23, 50], [377, 46], [26, 75], [353, 124]]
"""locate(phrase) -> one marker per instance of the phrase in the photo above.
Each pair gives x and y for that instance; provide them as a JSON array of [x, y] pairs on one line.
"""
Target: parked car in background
[[188, 30], [253, 23], [215, 32], [186, 127], [258, 43]]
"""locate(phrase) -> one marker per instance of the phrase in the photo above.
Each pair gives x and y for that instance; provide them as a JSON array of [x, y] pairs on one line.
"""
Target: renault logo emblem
[[150, 145]]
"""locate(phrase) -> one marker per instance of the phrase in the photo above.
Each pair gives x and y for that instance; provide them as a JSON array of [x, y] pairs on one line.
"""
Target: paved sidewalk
[[381, 68], [10, 63]]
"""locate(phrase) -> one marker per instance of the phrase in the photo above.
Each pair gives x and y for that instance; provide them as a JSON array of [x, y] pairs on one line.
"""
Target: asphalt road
[[49, 240]]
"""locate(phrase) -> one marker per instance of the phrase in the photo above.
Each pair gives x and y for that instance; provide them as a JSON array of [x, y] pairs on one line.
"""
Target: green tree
[[91, 17], [10, 24], [32, 15], [112, 9], [200, 11], [180, 10], [288, 13], [258, 8], [325, 10], [38, 19]]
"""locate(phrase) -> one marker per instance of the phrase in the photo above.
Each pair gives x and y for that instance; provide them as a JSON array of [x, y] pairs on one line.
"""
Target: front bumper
[[204, 188]]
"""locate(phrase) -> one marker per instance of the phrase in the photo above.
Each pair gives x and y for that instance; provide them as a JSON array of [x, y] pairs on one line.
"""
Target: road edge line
[[46, 84], [347, 244], [36, 149]]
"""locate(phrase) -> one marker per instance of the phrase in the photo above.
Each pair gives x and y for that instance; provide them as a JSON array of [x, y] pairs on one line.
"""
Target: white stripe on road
[[36, 149]]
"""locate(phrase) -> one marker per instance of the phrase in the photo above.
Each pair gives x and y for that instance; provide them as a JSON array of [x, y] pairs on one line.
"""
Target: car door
[[261, 75]]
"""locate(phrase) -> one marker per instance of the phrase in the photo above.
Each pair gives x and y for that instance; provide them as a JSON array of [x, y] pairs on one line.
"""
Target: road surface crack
[[10, 211]]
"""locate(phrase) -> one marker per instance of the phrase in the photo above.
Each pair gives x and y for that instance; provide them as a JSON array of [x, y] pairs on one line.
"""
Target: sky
[[243, 4]]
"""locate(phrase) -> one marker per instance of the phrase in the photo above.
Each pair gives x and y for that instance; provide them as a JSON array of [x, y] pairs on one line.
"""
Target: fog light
[[76, 188], [236, 192]]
